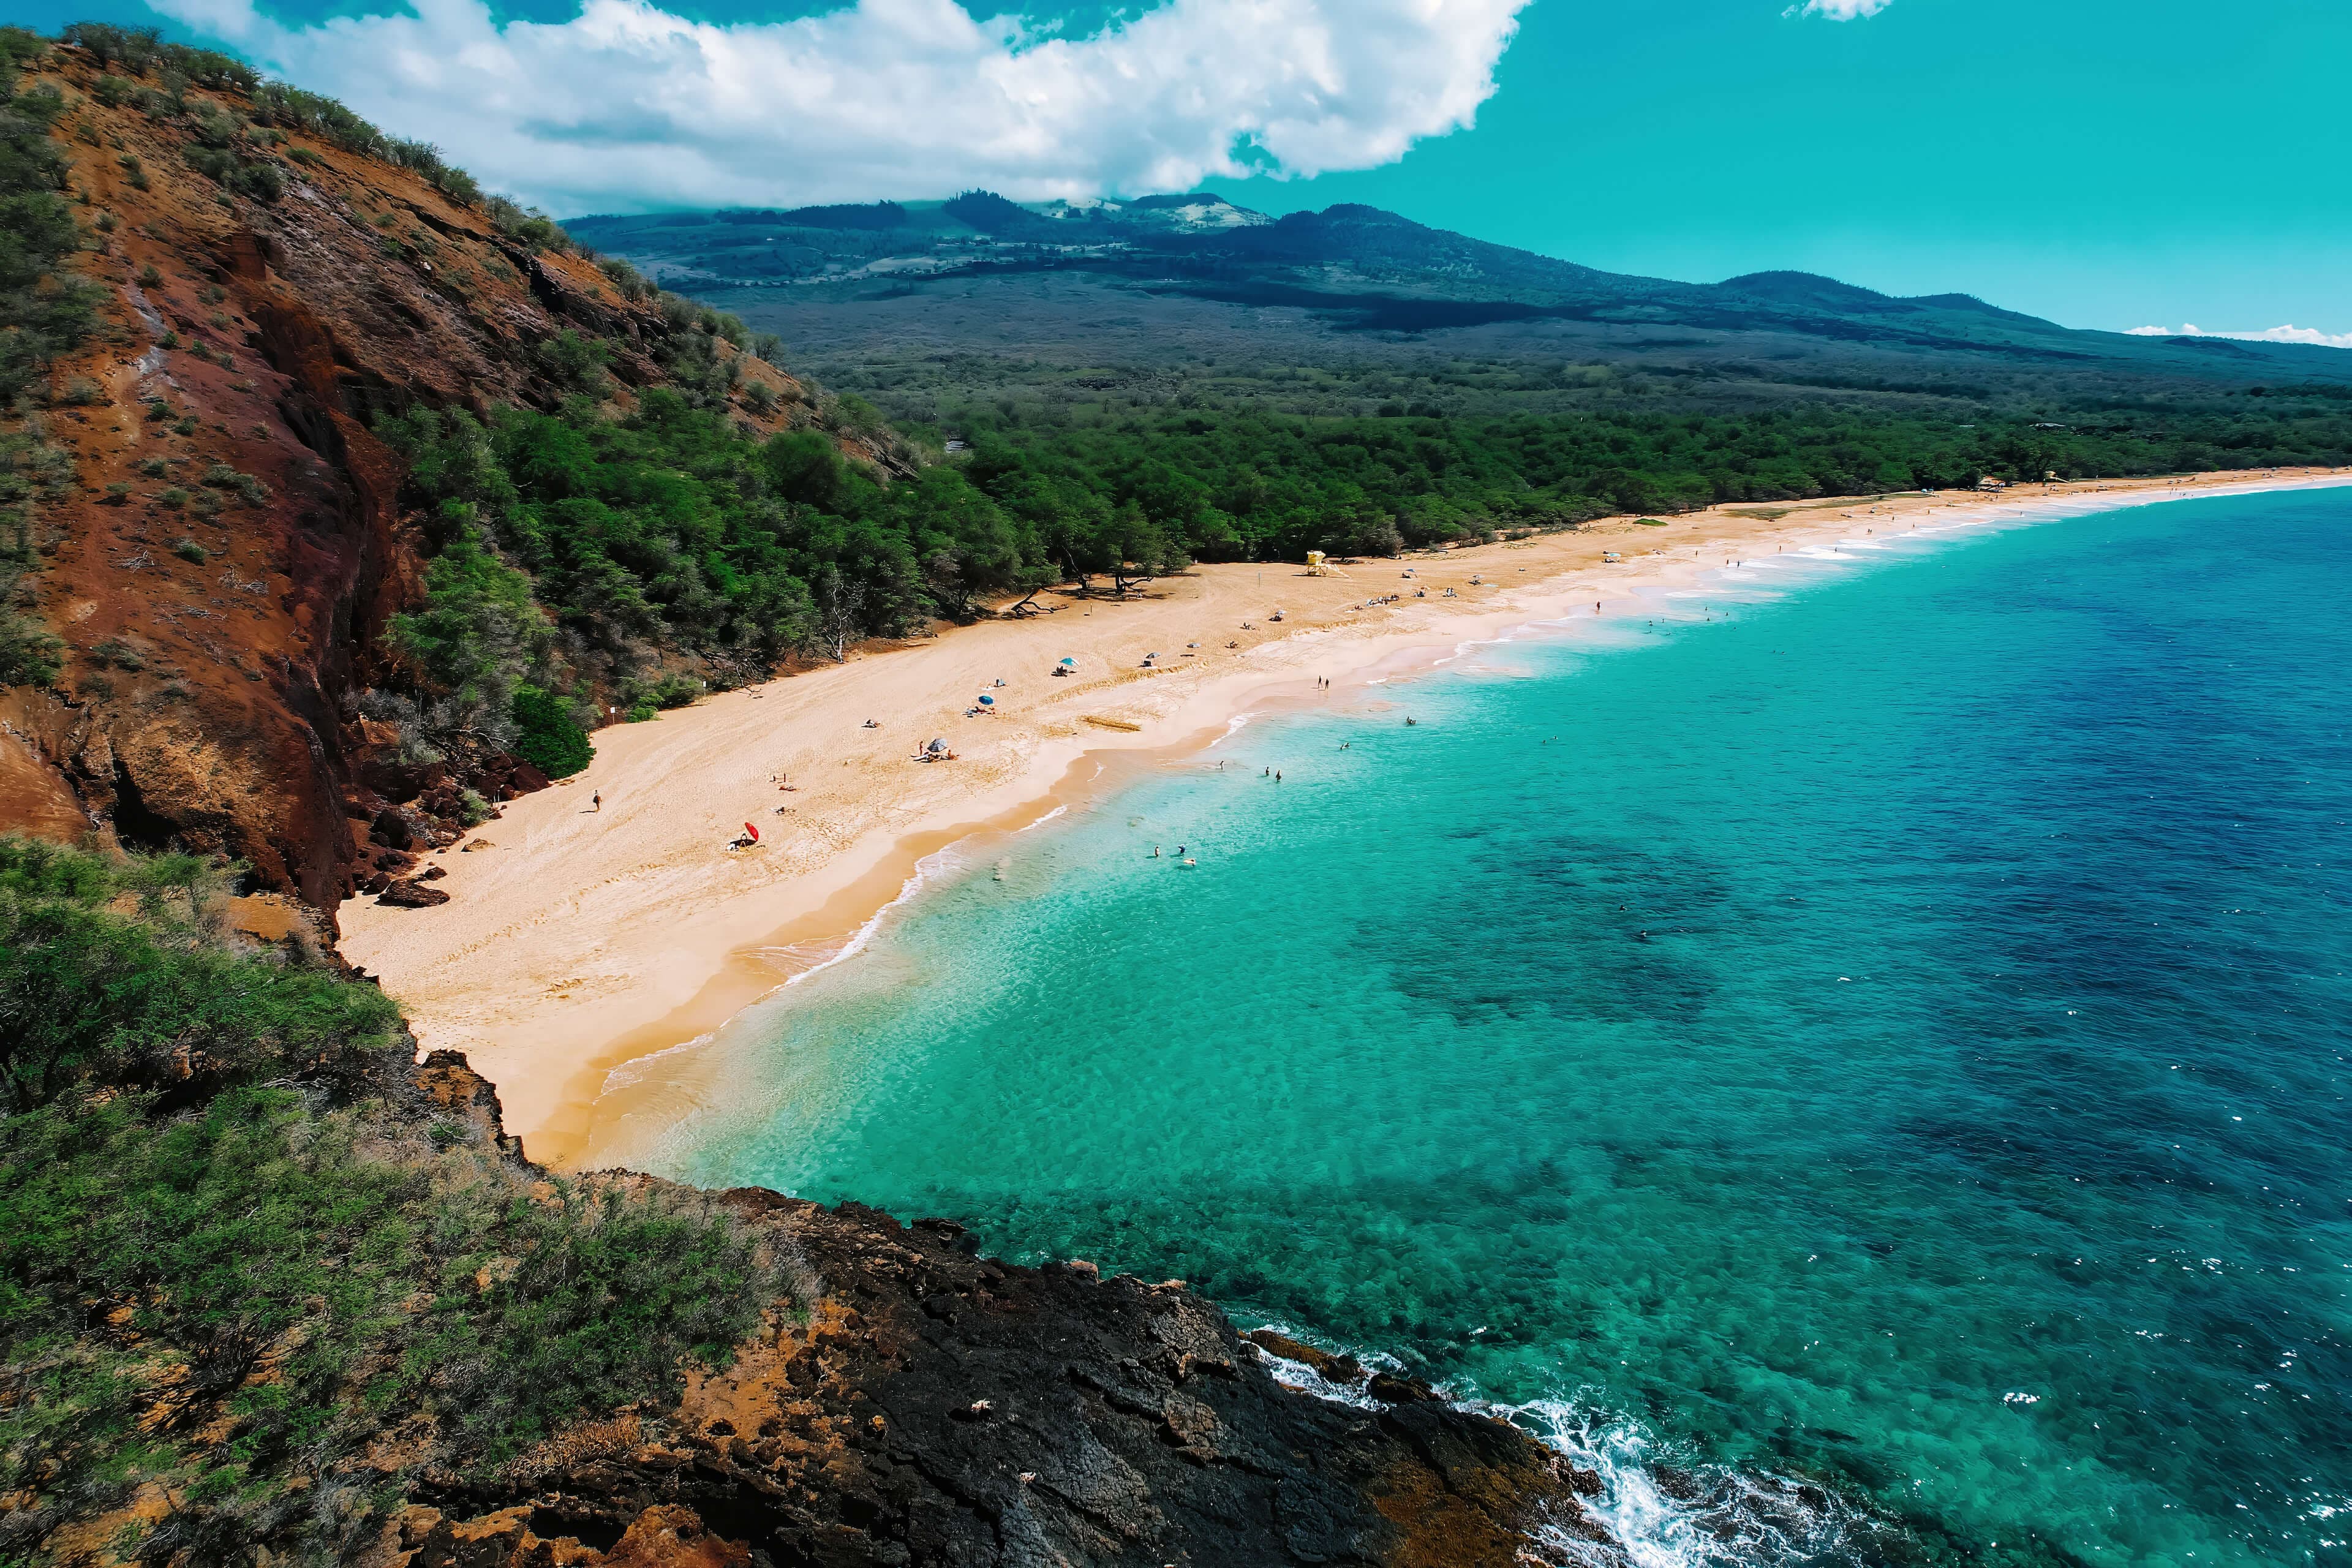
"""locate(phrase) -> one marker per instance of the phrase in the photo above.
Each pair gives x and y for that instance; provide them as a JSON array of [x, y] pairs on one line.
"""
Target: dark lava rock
[[1340, 1369], [412, 895], [391, 829], [1390, 1390]]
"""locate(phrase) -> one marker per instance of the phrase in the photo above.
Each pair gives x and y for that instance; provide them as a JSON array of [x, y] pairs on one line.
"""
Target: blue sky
[[2104, 162]]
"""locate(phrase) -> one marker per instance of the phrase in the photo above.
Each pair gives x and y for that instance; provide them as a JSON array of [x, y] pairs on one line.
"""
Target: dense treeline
[[237, 1247], [1248, 486], [650, 553], [572, 546]]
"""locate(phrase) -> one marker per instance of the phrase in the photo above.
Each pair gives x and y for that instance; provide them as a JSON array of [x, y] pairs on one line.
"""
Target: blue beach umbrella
[[987, 701]]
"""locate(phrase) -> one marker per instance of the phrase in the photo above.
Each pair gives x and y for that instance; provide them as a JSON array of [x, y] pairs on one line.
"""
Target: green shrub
[[671, 690], [575, 362], [546, 734], [257, 178], [91, 997], [189, 549], [116, 652], [29, 655], [627, 279], [527, 226]]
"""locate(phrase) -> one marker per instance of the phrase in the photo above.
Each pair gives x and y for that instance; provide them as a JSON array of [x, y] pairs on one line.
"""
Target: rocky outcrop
[[935, 1406]]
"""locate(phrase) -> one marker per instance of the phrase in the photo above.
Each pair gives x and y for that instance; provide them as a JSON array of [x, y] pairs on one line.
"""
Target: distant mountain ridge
[[1358, 267]]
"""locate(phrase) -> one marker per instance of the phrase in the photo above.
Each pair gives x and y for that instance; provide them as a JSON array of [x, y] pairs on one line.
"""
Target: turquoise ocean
[[1856, 1049]]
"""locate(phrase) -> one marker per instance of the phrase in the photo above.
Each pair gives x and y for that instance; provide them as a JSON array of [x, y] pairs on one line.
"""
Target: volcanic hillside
[[240, 281]]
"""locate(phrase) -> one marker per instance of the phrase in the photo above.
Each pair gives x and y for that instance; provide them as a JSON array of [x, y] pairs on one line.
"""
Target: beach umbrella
[[752, 831], [937, 744], [1071, 662], [987, 701]]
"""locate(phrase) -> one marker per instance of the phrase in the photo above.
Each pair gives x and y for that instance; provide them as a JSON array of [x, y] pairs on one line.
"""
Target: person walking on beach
[[597, 801]]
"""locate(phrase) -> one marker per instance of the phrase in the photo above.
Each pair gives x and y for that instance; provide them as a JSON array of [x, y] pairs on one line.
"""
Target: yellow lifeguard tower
[[1317, 565]]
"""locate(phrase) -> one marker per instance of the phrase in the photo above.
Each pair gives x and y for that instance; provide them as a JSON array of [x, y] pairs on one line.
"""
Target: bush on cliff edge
[[547, 736]]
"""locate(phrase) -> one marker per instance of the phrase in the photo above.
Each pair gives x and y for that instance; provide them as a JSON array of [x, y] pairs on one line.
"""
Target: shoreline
[[581, 942]]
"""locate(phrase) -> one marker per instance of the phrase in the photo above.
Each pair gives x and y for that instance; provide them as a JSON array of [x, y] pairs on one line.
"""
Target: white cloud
[[2288, 334], [629, 105], [1838, 10]]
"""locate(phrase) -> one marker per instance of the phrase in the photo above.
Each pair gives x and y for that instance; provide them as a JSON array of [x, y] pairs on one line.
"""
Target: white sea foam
[[1665, 1513], [1298, 1374], [929, 868], [1058, 811], [635, 1070], [1660, 1508]]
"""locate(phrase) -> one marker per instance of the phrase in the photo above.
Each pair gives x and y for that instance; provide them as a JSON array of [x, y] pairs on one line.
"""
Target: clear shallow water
[[1894, 1037]]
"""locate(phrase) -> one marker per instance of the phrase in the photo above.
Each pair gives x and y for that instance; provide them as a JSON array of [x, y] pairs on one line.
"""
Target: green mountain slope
[[1358, 269]]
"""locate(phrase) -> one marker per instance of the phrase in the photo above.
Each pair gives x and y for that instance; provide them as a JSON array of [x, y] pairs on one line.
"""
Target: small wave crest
[[1664, 1512], [1655, 1508], [639, 1069]]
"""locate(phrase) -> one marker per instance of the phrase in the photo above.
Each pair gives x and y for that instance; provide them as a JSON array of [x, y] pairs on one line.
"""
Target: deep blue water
[[1890, 1034]]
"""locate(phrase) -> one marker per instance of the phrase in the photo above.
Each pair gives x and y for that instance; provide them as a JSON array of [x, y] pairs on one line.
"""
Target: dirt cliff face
[[940, 1407], [220, 537]]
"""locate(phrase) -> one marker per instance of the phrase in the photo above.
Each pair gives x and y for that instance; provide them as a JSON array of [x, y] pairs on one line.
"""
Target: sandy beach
[[578, 939]]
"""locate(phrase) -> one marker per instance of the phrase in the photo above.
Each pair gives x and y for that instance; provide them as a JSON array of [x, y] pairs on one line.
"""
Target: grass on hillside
[[243, 1259]]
